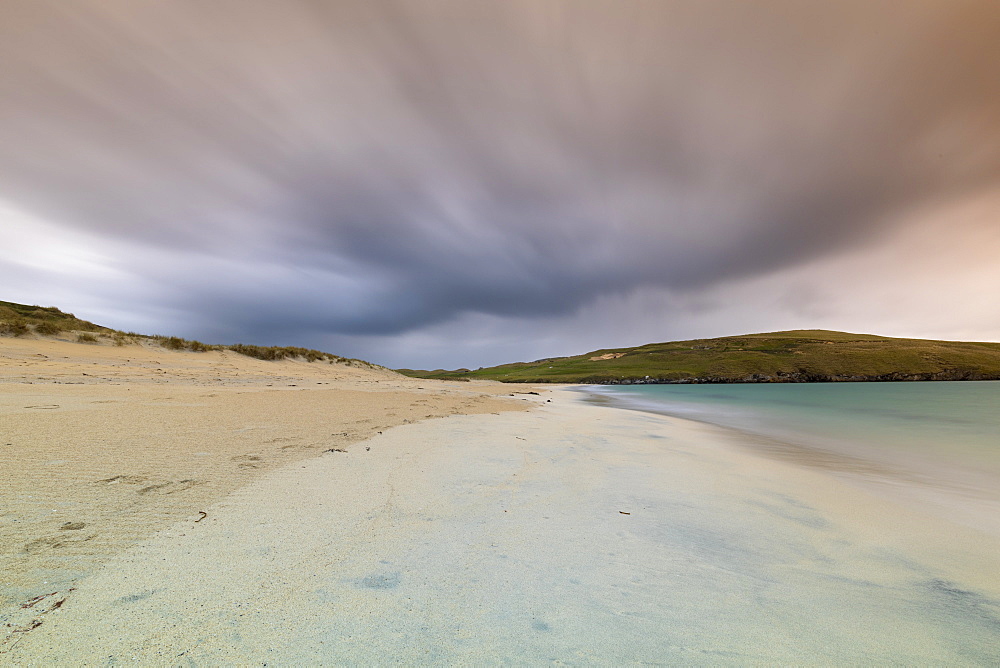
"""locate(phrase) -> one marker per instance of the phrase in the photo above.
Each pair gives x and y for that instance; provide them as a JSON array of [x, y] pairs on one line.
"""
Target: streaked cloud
[[436, 183]]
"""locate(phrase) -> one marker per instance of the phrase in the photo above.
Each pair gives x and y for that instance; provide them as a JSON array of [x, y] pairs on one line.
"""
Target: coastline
[[567, 533], [965, 492]]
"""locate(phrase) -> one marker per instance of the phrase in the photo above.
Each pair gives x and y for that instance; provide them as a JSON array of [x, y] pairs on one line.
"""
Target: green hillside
[[795, 356]]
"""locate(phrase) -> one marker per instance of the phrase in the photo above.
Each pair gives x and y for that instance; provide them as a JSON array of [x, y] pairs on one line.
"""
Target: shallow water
[[943, 435]]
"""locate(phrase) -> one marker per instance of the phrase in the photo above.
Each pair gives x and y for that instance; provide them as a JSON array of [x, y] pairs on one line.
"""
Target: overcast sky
[[444, 184]]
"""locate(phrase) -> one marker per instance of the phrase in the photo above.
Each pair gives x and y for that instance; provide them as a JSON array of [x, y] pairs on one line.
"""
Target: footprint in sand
[[56, 542], [170, 487], [126, 479], [249, 461]]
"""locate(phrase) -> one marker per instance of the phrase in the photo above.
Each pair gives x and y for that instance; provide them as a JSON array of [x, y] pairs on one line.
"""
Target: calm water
[[946, 432]]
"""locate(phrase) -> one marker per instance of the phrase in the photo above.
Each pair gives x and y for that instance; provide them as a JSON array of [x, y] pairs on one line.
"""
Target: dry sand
[[102, 445], [570, 533]]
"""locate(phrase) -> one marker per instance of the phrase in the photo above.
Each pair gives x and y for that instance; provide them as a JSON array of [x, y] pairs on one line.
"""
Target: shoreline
[[967, 496], [569, 532]]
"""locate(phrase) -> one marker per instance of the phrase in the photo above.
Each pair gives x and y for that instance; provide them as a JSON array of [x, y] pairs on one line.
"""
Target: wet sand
[[571, 533]]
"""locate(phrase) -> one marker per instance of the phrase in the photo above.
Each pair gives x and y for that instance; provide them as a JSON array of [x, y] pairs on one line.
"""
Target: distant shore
[[798, 356], [893, 377]]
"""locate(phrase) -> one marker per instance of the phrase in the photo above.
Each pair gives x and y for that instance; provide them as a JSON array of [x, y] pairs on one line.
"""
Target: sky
[[438, 183]]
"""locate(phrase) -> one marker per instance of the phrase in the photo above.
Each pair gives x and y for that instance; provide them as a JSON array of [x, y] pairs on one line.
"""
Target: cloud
[[918, 283], [371, 171]]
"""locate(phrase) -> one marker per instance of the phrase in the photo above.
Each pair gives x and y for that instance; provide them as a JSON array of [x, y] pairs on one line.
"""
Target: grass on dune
[[21, 320]]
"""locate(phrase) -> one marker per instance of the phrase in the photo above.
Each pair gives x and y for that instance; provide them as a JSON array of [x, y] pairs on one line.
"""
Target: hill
[[24, 320], [777, 357]]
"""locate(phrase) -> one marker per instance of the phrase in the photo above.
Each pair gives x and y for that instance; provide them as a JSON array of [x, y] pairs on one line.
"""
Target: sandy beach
[[176, 509], [103, 445]]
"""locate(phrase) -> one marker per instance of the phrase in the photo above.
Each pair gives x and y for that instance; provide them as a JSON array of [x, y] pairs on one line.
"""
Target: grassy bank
[[793, 356], [24, 320]]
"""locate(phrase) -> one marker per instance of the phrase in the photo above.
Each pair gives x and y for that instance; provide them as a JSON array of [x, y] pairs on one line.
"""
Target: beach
[[384, 520], [104, 445]]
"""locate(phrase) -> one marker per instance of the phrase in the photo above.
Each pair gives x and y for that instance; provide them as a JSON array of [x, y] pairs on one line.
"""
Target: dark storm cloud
[[374, 167]]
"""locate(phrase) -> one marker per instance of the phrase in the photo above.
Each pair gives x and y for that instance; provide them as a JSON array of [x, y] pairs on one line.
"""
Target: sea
[[916, 578], [943, 436]]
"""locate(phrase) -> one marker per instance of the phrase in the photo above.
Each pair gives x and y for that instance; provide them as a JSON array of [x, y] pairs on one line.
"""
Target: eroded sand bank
[[571, 533]]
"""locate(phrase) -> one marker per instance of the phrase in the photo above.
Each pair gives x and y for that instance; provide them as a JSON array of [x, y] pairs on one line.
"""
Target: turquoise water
[[940, 428]]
